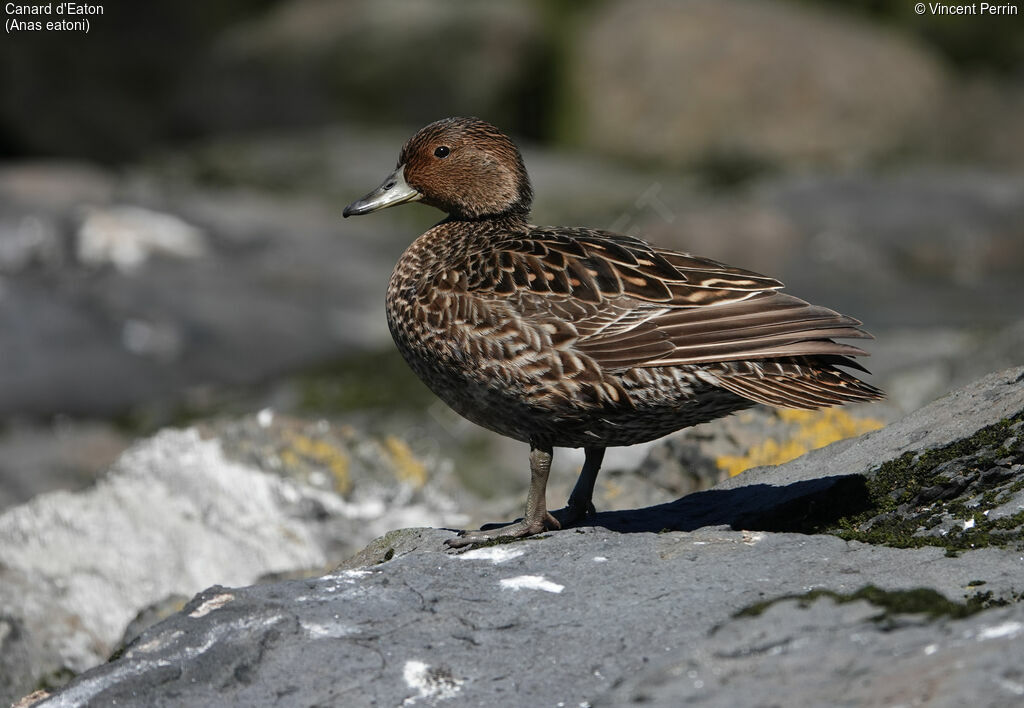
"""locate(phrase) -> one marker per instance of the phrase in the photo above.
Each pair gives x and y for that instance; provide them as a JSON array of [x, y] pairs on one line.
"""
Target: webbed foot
[[518, 529], [574, 514]]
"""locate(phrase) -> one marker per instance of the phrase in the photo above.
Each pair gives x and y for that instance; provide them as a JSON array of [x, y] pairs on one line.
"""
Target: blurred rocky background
[[172, 250]]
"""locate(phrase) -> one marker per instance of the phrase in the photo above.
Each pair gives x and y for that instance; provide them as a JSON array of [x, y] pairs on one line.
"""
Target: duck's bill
[[391, 192]]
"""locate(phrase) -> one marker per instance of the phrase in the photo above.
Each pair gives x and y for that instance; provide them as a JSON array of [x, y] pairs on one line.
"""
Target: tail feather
[[804, 382]]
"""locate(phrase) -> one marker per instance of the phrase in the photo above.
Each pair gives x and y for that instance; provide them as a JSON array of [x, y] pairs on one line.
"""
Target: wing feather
[[633, 305]]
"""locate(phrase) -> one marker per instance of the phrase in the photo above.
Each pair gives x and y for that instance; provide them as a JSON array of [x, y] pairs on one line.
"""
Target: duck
[[577, 337]]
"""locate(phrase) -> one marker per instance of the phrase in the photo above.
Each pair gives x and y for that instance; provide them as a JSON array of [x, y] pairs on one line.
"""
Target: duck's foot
[[519, 529], [574, 514]]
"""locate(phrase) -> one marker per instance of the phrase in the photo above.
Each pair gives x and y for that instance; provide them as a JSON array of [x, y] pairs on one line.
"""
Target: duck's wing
[[625, 304]]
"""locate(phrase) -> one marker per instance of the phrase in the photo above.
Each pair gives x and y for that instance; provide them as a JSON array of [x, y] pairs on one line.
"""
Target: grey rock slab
[[178, 513], [558, 620], [840, 655]]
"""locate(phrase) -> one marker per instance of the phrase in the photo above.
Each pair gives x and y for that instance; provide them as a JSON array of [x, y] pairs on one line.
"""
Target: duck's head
[[463, 166]]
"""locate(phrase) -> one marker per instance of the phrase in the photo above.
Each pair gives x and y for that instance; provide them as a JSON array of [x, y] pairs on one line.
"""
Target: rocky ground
[[882, 569]]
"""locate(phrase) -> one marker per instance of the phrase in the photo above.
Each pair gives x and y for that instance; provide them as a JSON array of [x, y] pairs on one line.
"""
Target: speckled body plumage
[[519, 376], [573, 337], [509, 347]]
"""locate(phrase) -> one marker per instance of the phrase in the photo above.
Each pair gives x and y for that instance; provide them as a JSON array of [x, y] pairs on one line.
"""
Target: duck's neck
[[510, 221], [453, 238]]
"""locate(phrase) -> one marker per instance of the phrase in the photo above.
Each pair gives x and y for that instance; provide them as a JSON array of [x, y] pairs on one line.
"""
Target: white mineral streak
[[531, 582]]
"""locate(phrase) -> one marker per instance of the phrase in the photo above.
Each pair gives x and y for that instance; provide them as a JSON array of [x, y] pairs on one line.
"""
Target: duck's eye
[[442, 151]]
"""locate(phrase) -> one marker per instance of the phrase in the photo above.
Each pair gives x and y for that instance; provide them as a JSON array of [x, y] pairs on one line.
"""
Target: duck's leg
[[580, 501], [537, 518]]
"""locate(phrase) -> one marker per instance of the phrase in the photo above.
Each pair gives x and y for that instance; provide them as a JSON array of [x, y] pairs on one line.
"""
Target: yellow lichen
[[322, 454], [407, 467], [289, 459], [809, 431]]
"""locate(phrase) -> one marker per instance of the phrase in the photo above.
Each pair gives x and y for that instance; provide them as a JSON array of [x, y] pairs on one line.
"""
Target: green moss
[[986, 600], [892, 602], [902, 499]]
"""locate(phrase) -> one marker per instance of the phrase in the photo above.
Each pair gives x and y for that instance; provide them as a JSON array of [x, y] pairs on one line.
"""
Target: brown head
[[463, 166]]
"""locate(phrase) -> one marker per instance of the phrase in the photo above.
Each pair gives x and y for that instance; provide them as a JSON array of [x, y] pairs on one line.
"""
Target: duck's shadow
[[808, 506]]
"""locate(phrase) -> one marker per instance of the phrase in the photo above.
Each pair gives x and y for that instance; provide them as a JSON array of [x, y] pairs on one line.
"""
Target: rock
[[727, 609], [684, 82], [481, 624], [840, 654], [268, 288], [127, 236], [178, 513]]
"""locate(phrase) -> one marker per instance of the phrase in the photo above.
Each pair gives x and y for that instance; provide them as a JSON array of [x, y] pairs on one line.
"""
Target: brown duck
[[575, 337]]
